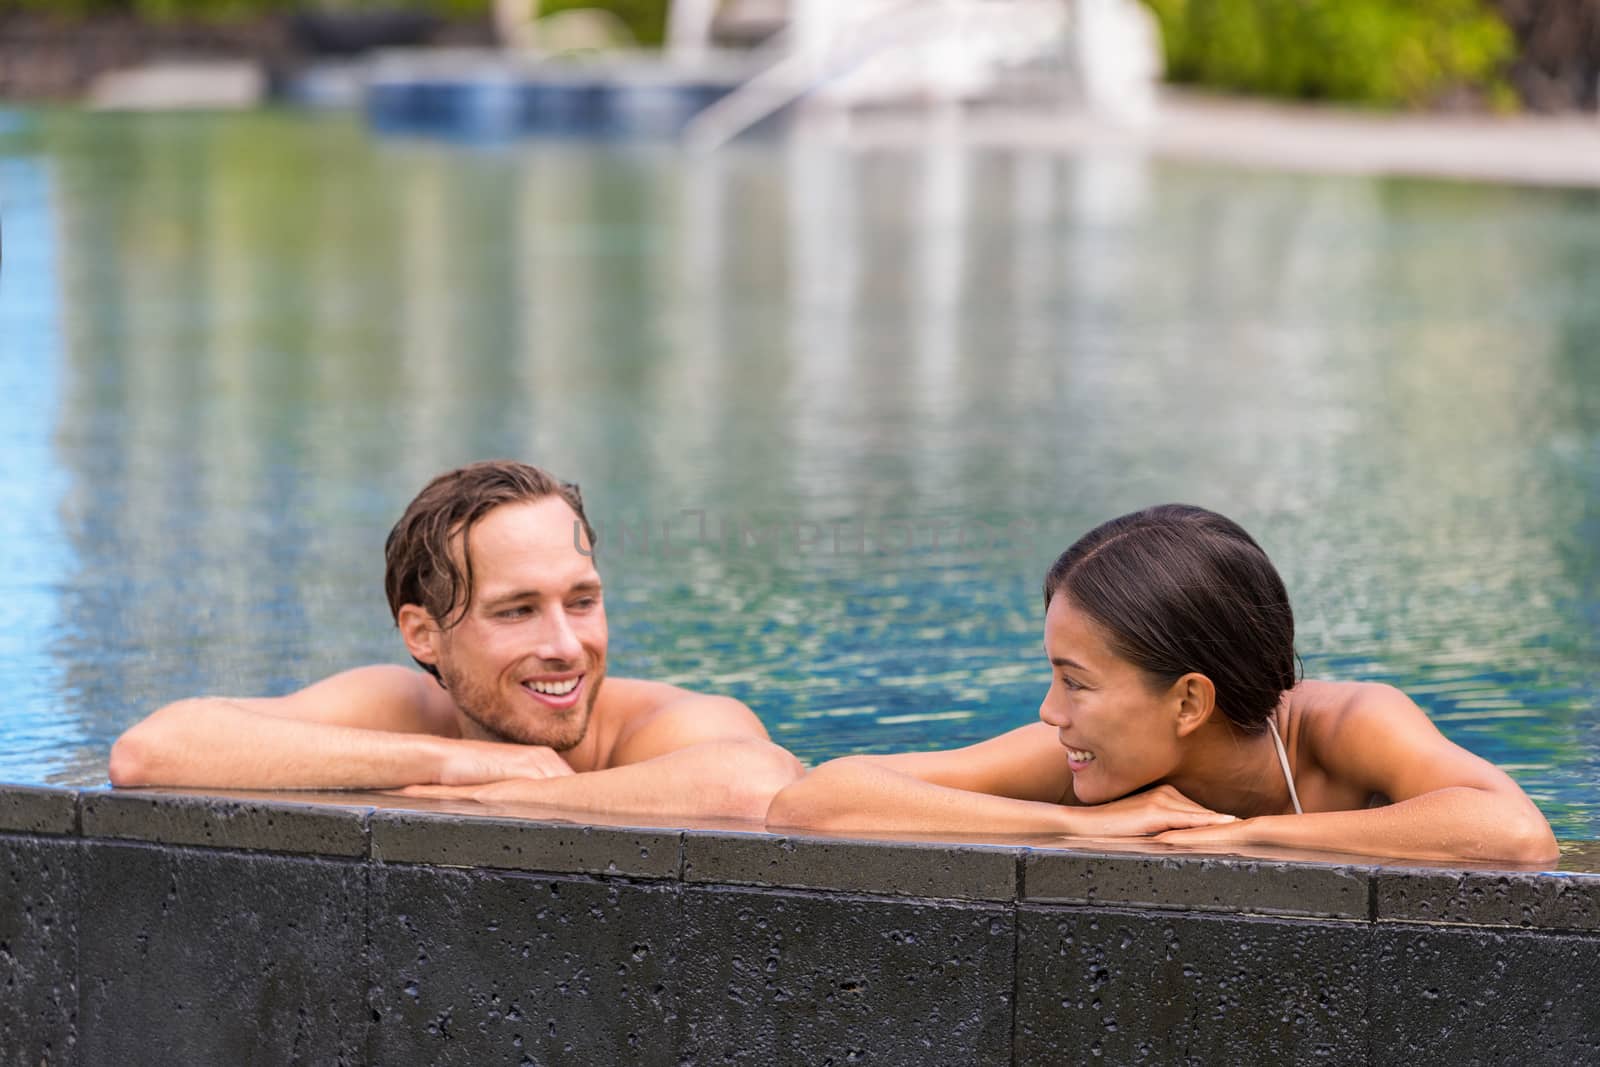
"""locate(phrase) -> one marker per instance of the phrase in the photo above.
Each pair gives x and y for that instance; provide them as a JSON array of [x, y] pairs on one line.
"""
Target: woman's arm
[[1448, 804], [1018, 782]]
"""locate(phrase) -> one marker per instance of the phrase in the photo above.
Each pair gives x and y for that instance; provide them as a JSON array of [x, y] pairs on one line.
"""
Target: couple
[[1173, 708]]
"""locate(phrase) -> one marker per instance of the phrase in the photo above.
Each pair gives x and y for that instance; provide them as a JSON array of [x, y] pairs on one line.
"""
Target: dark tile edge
[[504, 843], [226, 822], [1528, 900], [1215, 884], [1557, 901], [27, 809], [889, 868]]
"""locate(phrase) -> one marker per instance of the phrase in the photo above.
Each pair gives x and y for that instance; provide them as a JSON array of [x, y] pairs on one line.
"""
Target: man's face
[[526, 661]]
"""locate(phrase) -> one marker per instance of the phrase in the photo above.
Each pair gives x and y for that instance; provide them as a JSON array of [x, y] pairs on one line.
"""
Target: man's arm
[[1018, 782], [373, 728], [1448, 804], [688, 755]]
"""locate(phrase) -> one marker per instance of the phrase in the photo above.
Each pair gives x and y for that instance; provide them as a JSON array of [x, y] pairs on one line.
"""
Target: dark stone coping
[[225, 822], [38, 810], [1262, 887], [442, 839], [1548, 900], [1030, 869], [899, 868]]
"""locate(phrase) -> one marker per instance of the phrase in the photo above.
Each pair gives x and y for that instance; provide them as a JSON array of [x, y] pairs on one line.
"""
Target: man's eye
[[513, 613], [585, 603]]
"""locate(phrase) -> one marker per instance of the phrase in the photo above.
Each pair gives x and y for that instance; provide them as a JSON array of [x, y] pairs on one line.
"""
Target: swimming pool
[[833, 409]]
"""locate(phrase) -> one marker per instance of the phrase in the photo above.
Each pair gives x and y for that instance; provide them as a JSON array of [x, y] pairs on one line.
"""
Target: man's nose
[[557, 641]]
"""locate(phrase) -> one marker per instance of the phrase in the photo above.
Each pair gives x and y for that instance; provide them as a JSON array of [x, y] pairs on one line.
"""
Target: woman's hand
[[1151, 812], [1208, 837], [511, 790]]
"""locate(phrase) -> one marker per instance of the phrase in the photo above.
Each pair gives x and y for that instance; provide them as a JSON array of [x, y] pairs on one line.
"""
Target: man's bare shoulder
[[646, 719], [626, 698], [378, 697]]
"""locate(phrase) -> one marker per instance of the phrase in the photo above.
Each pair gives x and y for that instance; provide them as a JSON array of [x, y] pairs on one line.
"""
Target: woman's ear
[[1196, 699], [420, 633]]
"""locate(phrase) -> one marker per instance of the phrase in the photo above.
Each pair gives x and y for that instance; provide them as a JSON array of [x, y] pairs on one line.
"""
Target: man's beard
[[484, 705]]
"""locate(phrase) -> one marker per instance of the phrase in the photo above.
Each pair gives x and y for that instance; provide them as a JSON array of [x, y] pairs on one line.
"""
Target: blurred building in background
[[1542, 55]]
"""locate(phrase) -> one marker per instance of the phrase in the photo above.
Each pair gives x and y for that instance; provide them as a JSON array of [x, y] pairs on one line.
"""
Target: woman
[[1173, 711]]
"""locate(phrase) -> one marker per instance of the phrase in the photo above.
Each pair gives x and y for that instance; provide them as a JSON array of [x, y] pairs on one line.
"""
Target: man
[[491, 580]]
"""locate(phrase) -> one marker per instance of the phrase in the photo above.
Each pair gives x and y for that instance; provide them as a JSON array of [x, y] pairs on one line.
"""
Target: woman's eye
[[513, 613], [1070, 684]]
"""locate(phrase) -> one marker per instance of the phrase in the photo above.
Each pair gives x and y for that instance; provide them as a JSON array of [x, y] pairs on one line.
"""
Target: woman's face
[[1120, 733]]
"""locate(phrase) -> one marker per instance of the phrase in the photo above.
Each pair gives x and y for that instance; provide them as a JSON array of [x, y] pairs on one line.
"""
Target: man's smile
[[560, 692]]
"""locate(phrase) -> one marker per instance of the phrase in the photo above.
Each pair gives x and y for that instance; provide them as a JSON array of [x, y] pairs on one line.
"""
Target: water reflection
[[274, 329], [35, 559]]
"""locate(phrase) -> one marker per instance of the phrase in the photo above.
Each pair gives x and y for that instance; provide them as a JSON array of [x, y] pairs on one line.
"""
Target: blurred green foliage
[[646, 19], [1381, 52], [155, 10]]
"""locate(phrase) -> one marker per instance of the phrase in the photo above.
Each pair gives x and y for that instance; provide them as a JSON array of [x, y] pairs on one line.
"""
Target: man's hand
[[1151, 812], [727, 779], [474, 763]]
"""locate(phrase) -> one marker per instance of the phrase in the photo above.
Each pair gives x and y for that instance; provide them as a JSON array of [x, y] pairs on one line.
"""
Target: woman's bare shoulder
[[1320, 706]]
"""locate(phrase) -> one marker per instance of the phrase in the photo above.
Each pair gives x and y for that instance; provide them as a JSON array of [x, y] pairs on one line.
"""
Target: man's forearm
[[731, 778], [210, 743]]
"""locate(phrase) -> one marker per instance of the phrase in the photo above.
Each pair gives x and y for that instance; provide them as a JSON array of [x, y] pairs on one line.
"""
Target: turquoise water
[[890, 384]]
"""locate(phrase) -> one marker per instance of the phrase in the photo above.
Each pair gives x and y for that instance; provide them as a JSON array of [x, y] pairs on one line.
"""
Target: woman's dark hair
[[1178, 589]]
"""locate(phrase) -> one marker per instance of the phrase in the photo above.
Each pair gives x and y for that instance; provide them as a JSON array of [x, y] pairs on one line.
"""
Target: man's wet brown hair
[[1177, 589], [419, 567]]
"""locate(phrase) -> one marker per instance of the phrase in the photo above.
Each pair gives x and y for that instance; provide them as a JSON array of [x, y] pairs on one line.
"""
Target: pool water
[[834, 409]]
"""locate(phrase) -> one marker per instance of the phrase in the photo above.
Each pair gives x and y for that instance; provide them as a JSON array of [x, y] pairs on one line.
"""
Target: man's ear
[[420, 633], [1196, 699]]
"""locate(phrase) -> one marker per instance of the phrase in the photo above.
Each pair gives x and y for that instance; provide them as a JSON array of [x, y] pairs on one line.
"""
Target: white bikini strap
[[1283, 760]]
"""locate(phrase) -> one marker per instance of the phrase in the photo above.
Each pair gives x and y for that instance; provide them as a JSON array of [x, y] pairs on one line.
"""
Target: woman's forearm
[[1460, 823], [860, 795], [856, 794]]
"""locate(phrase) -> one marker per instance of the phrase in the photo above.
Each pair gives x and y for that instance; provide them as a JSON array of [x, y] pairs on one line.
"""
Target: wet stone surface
[[475, 967], [778, 977], [1194, 883], [30, 810], [222, 822], [38, 950], [519, 844], [1136, 988], [197, 929], [1471, 996], [948, 872], [1545, 901], [194, 956]]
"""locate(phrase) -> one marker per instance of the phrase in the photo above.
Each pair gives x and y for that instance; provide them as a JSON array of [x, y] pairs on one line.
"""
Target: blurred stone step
[[181, 85]]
